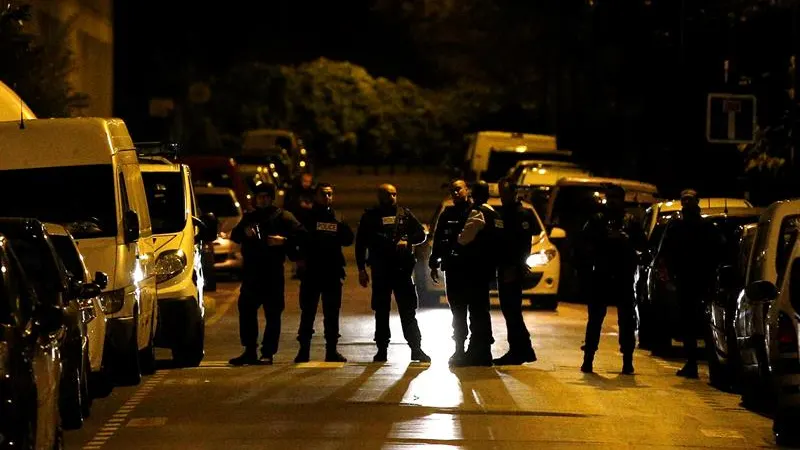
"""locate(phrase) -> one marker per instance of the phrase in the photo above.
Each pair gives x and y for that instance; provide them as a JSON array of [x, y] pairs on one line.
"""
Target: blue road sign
[[731, 119]]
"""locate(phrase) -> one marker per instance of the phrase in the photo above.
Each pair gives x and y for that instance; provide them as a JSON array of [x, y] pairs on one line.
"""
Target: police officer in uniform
[[692, 250], [444, 256], [478, 243], [322, 273], [516, 232], [387, 233], [610, 242], [267, 234]]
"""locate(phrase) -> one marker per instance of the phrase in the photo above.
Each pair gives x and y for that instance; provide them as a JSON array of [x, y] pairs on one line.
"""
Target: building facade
[[87, 26]]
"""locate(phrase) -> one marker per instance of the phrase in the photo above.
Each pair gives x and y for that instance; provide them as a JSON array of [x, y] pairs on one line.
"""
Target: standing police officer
[[322, 273], [611, 239], [515, 232], [388, 232], [692, 248], [478, 248], [267, 234], [444, 255]]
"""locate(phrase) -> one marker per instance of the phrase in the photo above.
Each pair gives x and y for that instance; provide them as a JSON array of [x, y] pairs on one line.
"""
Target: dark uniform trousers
[[510, 292], [386, 281], [691, 296], [468, 292], [608, 289], [329, 289], [268, 294]]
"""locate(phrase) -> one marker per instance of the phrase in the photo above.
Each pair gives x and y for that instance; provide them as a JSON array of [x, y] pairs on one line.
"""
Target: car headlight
[[541, 258], [112, 301], [169, 264]]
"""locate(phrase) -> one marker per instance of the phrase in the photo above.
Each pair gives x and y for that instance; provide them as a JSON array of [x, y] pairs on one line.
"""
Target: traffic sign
[[731, 119]]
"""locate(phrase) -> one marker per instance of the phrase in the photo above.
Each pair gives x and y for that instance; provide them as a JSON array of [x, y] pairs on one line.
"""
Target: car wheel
[[191, 355], [147, 356], [718, 374]]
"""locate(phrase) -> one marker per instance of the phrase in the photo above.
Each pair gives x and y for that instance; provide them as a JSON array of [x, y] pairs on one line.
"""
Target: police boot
[[588, 360], [418, 355], [332, 355], [249, 357], [476, 357], [627, 364], [381, 356], [304, 354], [458, 356], [689, 370]]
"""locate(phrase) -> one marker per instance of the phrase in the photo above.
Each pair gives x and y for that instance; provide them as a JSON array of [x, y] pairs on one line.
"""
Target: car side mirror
[[101, 279], [726, 277], [90, 290], [49, 318], [761, 291], [557, 233], [201, 230], [131, 226], [209, 227]]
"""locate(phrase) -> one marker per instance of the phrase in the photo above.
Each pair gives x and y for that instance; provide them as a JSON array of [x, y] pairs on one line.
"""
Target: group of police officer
[[473, 243]]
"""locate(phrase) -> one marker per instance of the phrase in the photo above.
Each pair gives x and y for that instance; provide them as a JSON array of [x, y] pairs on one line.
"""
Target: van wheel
[[191, 355], [127, 370]]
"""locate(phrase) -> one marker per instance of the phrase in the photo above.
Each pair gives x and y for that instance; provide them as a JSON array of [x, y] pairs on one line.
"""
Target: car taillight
[[787, 335], [112, 301]]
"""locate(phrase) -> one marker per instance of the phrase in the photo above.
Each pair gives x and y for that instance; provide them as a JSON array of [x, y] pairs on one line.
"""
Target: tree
[[36, 69]]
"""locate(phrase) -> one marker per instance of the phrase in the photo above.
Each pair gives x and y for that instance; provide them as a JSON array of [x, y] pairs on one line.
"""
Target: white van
[[12, 108], [179, 273], [84, 173], [492, 153]]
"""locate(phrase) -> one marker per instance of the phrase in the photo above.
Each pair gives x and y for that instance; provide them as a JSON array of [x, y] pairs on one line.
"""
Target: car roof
[[154, 164], [705, 203], [25, 225], [213, 190], [632, 185], [55, 229]]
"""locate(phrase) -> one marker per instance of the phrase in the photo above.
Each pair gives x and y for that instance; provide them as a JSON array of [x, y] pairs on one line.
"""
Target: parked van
[[83, 173], [12, 108], [491, 154], [177, 231]]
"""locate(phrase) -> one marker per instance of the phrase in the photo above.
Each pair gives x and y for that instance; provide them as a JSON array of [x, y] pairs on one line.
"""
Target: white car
[[178, 264], [223, 204], [776, 235], [92, 312], [660, 211], [544, 265]]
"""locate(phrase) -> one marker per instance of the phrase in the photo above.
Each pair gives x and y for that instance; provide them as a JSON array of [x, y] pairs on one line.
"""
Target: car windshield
[[69, 255], [81, 197], [166, 201], [214, 177], [221, 205]]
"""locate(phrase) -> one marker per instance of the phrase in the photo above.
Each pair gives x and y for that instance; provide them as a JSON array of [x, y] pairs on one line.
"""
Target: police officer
[[610, 242], [692, 249], [387, 233], [322, 273], [267, 234], [478, 243], [444, 255], [516, 232]]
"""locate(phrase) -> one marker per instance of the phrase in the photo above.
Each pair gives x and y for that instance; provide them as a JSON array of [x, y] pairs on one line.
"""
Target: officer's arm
[[237, 234], [345, 234], [416, 232], [475, 223], [585, 247], [438, 238], [362, 240]]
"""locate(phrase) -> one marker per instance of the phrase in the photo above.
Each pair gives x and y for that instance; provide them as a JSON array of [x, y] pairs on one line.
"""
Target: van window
[[137, 198], [79, 197], [166, 201]]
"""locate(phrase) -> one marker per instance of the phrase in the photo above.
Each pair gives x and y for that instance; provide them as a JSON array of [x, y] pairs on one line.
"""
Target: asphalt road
[[361, 405]]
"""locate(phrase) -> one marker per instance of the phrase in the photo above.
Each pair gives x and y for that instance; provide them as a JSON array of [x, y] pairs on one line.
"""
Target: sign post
[[731, 119]]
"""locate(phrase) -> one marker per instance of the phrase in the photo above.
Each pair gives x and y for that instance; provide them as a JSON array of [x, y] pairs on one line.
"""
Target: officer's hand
[[363, 278], [435, 275], [275, 240], [402, 244]]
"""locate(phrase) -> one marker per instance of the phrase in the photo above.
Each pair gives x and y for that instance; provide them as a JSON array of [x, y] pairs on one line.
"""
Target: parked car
[[54, 285], [177, 235], [778, 230], [659, 310], [541, 283], [92, 311], [537, 179], [30, 361], [89, 169], [222, 203]]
